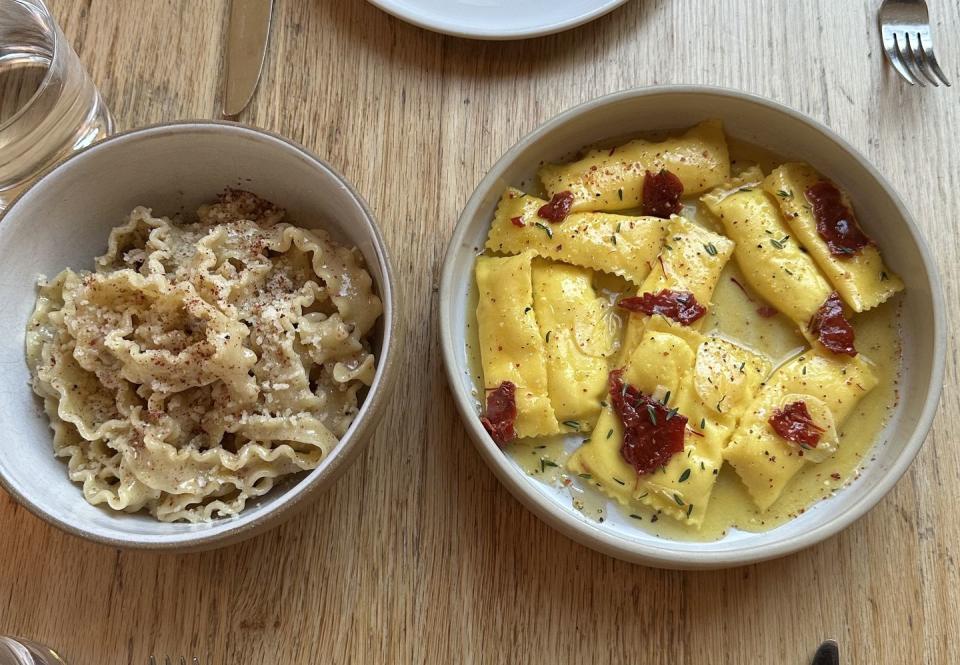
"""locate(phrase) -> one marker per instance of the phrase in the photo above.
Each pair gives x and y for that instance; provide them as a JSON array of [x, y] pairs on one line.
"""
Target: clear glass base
[[24, 652]]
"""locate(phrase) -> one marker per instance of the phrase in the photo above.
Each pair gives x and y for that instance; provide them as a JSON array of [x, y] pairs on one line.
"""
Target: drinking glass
[[49, 107], [24, 652]]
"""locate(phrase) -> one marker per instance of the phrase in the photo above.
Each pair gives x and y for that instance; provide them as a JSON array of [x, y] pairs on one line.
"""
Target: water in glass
[[49, 107]]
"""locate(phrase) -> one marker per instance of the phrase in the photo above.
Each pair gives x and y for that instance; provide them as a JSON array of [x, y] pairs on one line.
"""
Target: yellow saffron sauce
[[734, 315]]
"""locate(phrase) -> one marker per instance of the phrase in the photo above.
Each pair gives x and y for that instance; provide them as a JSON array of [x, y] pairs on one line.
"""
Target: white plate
[[497, 19]]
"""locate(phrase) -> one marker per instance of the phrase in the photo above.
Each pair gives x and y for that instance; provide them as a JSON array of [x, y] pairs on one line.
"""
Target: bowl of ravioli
[[691, 328], [204, 313]]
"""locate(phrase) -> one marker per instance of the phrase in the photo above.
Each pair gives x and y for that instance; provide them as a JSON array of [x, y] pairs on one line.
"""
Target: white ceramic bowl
[[787, 133], [64, 219]]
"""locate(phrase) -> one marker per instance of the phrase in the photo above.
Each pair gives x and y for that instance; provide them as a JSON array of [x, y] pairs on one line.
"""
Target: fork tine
[[183, 661], [153, 661], [890, 47], [926, 43], [913, 40], [906, 57]]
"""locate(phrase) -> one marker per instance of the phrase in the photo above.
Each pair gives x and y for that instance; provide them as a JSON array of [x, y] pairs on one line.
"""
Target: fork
[[168, 661], [908, 43]]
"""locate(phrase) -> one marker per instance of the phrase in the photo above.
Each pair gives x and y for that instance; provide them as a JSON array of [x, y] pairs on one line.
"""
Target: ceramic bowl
[[787, 133], [64, 219]]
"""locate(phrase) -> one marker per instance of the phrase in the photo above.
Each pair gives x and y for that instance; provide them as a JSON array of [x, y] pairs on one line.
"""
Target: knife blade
[[248, 32]]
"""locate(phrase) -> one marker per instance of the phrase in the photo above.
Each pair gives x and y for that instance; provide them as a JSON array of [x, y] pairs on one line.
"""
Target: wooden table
[[419, 554]]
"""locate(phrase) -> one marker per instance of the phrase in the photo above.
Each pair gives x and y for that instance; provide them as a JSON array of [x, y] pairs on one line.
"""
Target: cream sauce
[[733, 315]]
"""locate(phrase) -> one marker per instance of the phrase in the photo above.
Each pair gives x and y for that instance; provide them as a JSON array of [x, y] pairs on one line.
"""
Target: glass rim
[[54, 29]]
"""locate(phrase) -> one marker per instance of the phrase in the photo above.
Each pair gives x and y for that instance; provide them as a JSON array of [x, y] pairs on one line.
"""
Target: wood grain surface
[[418, 554]]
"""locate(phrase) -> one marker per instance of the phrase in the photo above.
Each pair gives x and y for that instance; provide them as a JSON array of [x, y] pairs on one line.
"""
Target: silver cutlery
[[908, 42], [248, 32]]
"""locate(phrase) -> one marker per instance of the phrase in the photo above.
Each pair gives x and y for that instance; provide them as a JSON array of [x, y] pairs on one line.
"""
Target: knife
[[247, 34]]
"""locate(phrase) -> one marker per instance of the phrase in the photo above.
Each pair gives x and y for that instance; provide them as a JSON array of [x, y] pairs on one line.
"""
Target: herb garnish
[[652, 414], [676, 497], [784, 194], [711, 249], [572, 424], [684, 475], [545, 228], [544, 463], [619, 481]]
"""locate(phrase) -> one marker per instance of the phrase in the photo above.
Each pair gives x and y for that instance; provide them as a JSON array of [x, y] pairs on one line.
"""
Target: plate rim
[[393, 8]]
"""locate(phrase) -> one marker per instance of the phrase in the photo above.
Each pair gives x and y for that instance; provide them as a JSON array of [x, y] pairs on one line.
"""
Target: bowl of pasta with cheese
[[691, 328], [197, 336]]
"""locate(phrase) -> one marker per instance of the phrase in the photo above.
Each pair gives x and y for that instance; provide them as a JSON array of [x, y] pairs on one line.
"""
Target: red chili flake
[[517, 221], [558, 208], [652, 433], [836, 223], [835, 475], [766, 311], [501, 413], [681, 306], [832, 328], [794, 423], [661, 194]]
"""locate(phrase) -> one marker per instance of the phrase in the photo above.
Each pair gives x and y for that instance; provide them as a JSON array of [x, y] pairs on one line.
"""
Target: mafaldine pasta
[[202, 361]]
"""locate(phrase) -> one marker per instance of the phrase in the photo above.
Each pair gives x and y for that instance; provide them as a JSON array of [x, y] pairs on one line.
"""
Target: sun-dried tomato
[[661, 194], [517, 221], [501, 413], [794, 423], [832, 328], [558, 208], [836, 223], [652, 433], [681, 306]]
